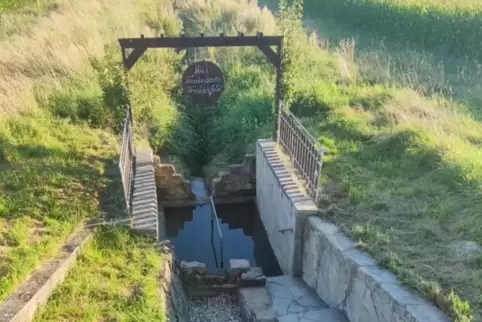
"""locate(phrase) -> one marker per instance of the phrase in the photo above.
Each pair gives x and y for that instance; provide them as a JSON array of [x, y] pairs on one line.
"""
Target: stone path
[[293, 301]]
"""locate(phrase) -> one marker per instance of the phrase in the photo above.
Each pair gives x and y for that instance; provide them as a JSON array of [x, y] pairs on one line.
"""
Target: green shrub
[[80, 104]]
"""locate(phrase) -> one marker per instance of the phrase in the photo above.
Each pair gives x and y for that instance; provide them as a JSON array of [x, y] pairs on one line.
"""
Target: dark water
[[189, 229]]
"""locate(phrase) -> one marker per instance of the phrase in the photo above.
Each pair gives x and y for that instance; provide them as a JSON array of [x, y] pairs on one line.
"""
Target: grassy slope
[[403, 170], [116, 279], [409, 167], [52, 177], [60, 90], [404, 174]]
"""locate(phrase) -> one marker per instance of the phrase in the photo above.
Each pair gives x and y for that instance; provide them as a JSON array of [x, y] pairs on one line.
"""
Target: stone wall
[[282, 206], [329, 262], [199, 283], [175, 299], [171, 186], [238, 180], [350, 280]]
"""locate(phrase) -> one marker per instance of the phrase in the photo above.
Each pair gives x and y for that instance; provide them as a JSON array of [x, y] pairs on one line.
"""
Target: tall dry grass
[[34, 62], [58, 171]]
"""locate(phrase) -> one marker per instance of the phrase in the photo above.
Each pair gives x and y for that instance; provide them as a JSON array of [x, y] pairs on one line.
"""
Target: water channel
[[244, 237]]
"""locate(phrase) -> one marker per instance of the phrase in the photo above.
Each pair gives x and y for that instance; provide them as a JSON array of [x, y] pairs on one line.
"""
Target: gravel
[[220, 308]]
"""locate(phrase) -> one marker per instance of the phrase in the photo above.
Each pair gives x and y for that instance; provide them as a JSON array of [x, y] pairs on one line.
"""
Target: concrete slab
[[294, 301], [255, 305]]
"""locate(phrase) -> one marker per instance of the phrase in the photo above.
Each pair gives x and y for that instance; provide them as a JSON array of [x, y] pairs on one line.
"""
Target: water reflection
[[189, 229]]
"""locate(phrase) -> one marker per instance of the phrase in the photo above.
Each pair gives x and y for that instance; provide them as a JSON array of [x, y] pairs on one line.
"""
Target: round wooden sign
[[203, 82]]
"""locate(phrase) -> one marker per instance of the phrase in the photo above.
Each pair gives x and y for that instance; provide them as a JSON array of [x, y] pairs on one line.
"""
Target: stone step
[[294, 301]]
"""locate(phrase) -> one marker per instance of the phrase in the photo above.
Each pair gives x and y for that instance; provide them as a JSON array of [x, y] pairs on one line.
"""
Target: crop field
[[451, 26]]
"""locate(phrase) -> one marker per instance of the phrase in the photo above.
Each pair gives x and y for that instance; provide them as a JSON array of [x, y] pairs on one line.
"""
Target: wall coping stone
[[144, 200], [286, 177]]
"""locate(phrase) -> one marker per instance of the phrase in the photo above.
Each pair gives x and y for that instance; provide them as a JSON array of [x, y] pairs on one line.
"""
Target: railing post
[[305, 153], [278, 93], [214, 217], [278, 130], [126, 159], [222, 251]]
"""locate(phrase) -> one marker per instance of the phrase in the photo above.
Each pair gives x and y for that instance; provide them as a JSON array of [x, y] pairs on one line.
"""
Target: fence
[[305, 152], [214, 218], [126, 159]]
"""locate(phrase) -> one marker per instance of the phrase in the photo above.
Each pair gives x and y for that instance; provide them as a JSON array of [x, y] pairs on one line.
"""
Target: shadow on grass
[[403, 201], [41, 182], [45, 194]]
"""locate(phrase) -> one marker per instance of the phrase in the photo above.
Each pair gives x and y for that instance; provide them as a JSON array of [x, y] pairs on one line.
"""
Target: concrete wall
[[175, 299], [282, 206], [350, 280], [315, 250]]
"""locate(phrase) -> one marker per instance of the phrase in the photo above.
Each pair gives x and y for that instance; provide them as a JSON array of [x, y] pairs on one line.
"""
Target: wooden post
[[278, 94]]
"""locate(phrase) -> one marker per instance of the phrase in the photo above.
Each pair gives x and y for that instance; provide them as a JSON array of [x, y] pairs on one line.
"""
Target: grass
[[403, 168], [396, 61], [453, 26], [18, 16], [52, 178], [7, 5], [116, 279], [61, 104], [406, 186]]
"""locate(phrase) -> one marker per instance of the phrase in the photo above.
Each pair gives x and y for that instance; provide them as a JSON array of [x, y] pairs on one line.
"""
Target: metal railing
[[126, 159], [305, 152], [214, 218]]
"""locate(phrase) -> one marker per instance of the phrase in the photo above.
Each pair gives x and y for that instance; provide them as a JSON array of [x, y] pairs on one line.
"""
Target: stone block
[[322, 226], [237, 267], [425, 313], [193, 268], [252, 278], [255, 305], [349, 279]]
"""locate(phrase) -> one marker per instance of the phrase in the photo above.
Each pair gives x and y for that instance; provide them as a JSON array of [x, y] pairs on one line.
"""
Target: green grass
[[53, 176], [61, 114], [403, 175], [115, 279], [6, 5], [454, 26]]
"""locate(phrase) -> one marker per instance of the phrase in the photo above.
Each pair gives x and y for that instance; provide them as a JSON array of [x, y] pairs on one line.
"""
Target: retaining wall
[[350, 280], [315, 250], [237, 180], [282, 206], [171, 186]]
